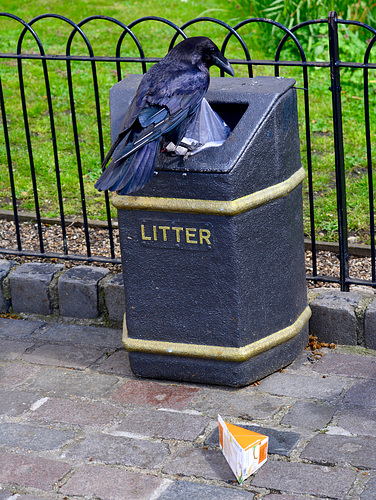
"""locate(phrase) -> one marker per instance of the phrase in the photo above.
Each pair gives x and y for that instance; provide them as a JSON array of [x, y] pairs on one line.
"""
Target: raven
[[166, 102]]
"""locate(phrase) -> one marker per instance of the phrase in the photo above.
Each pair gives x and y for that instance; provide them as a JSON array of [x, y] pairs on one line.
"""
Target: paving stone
[[5, 267], [358, 421], [13, 349], [369, 492], [114, 484], [155, 394], [30, 287], [164, 424], [248, 405], [74, 412], [362, 394], [14, 403], [62, 383], [82, 335], [348, 365], [17, 329], [115, 297], [303, 478], [333, 317], [276, 496], [301, 362], [198, 462], [185, 490], [16, 374], [78, 291], [69, 356], [120, 450], [27, 497], [303, 386], [307, 415], [117, 363], [280, 442], [29, 437], [333, 449], [31, 471]]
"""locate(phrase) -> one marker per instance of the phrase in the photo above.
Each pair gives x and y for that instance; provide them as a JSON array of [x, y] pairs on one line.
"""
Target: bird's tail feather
[[121, 136], [130, 174], [143, 170]]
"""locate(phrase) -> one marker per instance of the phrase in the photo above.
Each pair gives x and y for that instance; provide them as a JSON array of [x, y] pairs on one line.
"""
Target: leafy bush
[[313, 37]]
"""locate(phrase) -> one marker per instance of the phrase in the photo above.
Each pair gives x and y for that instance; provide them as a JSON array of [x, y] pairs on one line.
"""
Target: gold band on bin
[[214, 207], [216, 352]]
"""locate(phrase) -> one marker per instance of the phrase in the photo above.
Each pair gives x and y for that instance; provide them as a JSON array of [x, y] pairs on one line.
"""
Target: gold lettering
[[190, 232], [200, 236], [204, 234], [143, 233], [177, 231], [164, 231]]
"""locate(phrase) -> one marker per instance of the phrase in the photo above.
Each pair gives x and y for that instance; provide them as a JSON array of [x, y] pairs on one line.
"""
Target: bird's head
[[204, 52]]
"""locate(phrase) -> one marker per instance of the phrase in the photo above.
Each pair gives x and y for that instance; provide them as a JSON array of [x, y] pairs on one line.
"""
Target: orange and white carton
[[244, 450]]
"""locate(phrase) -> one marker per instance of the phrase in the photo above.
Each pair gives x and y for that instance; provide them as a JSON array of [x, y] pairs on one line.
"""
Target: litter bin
[[212, 248]]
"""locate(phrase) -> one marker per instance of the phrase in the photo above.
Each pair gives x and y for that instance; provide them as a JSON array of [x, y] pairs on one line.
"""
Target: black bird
[[166, 102]]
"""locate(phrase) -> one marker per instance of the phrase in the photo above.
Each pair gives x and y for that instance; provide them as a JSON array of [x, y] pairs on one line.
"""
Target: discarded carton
[[244, 450]]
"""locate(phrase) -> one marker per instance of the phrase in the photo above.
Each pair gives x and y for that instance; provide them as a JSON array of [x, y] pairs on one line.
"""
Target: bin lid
[[244, 103]]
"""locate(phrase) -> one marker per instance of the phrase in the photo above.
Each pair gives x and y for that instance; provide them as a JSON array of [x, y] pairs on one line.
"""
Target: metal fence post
[[339, 153]]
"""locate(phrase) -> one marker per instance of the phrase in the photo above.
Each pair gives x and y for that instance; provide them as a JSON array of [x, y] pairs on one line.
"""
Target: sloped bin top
[[261, 150]]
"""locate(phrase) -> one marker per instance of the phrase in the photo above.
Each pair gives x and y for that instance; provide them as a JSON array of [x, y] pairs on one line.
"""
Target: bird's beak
[[222, 63]]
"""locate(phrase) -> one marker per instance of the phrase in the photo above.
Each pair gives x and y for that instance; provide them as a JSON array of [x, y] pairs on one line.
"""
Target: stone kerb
[[93, 293], [347, 318], [78, 290], [82, 292]]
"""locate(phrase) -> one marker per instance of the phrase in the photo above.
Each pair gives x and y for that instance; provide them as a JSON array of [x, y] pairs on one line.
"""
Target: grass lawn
[[154, 37]]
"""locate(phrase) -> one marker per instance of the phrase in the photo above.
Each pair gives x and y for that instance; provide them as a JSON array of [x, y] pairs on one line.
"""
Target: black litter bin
[[212, 248]]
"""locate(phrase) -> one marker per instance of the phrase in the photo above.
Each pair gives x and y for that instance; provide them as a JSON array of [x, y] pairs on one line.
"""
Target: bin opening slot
[[231, 113]]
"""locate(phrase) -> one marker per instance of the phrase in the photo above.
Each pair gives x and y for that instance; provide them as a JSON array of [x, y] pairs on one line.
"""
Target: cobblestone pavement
[[76, 423]]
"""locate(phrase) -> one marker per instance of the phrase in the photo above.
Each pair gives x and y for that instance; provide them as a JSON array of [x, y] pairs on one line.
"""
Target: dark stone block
[[30, 287], [78, 291], [115, 298], [309, 415], [357, 451], [108, 482], [362, 395], [369, 492], [182, 490], [31, 471], [120, 450], [18, 329], [28, 437], [82, 335], [333, 317], [5, 267], [300, 478], [370, 326]]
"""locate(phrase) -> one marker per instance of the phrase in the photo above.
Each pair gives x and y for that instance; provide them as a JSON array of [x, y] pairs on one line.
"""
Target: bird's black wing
[[164, 104], [167, 95]]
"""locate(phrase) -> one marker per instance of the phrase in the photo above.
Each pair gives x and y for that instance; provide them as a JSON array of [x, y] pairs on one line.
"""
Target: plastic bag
[[207, 130]]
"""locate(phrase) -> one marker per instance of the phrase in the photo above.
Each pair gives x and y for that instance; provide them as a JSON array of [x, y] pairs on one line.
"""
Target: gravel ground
[[53, 242], [327, 262]]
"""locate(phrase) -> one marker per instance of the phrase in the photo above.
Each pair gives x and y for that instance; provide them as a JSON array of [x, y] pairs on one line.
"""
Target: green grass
[[323, 161], [103, 36]]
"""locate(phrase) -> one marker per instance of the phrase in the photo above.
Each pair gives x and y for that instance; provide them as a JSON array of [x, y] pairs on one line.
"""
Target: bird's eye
[[212, 50]]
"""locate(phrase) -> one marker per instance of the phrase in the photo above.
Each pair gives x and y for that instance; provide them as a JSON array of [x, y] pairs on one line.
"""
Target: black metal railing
[[129, 56]]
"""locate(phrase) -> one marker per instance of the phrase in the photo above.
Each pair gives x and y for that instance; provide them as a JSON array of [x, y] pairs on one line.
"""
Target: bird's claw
[[183, 149]]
